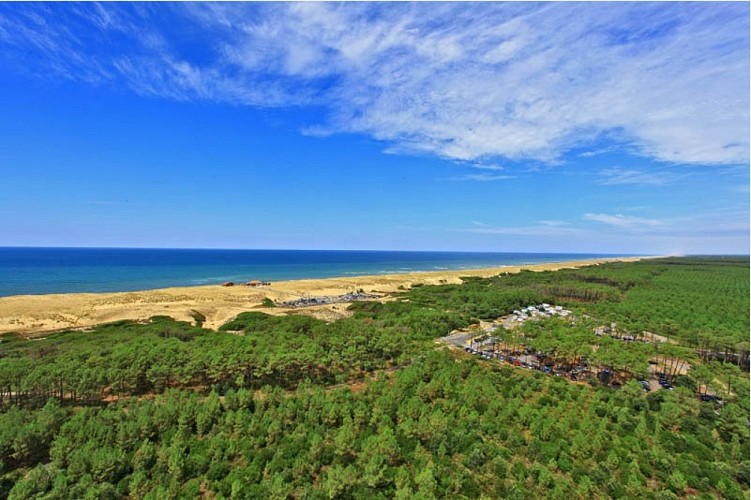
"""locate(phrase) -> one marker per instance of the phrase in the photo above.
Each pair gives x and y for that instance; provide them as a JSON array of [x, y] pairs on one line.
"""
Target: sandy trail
[[34, 314]]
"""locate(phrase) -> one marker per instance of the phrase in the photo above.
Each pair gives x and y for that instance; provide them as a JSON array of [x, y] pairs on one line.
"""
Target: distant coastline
[[33, 271], [37, 314]]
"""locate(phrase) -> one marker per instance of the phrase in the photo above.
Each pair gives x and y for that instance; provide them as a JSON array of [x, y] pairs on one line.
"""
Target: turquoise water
[[66, 270]]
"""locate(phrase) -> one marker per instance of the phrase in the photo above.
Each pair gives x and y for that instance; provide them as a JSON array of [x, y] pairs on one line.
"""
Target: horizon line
[[54, 247]]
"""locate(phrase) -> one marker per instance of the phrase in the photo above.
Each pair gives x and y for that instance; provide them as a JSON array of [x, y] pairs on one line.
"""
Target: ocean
[[68, 270]]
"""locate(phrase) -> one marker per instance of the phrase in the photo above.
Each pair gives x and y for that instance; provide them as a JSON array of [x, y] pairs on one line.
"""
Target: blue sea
[[67, 270]]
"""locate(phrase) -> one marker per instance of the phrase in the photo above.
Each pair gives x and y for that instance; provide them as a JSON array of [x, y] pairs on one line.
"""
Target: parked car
[[709, 397]]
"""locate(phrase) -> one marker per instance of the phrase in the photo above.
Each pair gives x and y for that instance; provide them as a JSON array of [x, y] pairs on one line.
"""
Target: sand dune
[[34, 314]]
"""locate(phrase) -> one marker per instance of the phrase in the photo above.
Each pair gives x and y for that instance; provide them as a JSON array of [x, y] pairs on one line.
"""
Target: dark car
[[710, 398]]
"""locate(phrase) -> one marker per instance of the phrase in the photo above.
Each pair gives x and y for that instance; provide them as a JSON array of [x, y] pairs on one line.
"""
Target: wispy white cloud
[[553, 223], [622, 221], [721, 222], [715, 223], [620, 176], [540, 229], [719, 231], [461, 81], [598, 152], [482, 165], [479, 177]]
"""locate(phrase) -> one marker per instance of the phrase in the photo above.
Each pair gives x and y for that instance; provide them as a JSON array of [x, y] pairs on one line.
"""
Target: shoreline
[[113, 270], [30, 315]]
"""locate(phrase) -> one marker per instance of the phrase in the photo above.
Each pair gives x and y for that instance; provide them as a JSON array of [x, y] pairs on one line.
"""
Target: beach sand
[[34, 315]]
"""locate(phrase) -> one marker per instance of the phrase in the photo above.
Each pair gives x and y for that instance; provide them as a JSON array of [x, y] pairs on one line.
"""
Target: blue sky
[[550, 127]]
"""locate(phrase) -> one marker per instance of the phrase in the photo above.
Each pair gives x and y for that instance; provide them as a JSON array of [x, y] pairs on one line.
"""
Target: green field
[[371, 407]]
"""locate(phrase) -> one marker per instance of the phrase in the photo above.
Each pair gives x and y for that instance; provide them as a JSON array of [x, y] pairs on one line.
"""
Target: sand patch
[[34, 314]]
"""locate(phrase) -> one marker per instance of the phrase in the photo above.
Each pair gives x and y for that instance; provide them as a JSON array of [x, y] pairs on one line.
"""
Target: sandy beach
[[37, 314]]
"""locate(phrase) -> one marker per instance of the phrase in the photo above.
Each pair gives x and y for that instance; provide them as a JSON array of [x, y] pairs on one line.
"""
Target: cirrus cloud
[[466, 82], [622, 221], [621, 176]]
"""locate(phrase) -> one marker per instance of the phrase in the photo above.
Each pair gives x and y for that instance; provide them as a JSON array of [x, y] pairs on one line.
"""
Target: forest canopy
[[371, 406]]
